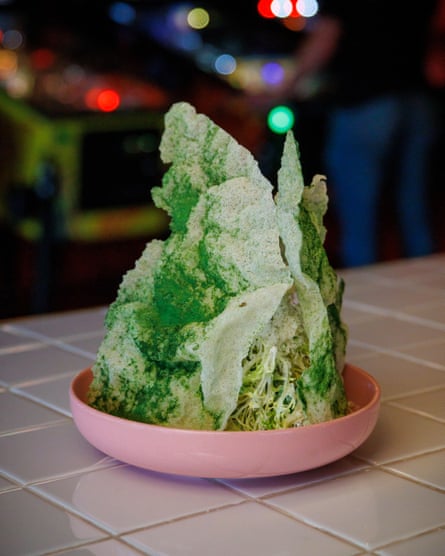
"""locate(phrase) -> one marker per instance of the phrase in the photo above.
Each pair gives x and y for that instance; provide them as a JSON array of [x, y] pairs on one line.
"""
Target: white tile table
[[59, 495]]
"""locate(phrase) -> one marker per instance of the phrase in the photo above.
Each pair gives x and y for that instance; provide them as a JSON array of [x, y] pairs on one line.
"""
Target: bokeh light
[[307, 8], [8, 63], [225, 64], [18, 85], [264, 10], [105, 100], [108, 100], [178, 15], [295, 23], [74, 73], [198, 18], [272, 73], [122, 13], [288, 10], [280, 119], [281, 8], [42, 58], [12, 39]]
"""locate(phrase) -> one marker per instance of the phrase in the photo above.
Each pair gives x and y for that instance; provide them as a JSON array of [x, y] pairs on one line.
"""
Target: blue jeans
[[359, 141]]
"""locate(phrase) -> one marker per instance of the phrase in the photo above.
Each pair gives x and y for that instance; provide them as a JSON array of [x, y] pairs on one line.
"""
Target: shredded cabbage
[[269, 395]]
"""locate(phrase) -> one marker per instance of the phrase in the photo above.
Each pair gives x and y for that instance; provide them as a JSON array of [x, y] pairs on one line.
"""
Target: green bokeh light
[[280, 119]]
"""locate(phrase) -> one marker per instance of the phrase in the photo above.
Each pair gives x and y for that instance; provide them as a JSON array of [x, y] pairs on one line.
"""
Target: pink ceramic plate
[[224, 454]]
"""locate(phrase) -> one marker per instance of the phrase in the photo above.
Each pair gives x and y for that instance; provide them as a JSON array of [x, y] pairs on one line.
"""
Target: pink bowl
[[224, 454]]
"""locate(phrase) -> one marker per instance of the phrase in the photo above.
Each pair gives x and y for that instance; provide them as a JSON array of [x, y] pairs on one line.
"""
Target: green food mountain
[[233, 322]]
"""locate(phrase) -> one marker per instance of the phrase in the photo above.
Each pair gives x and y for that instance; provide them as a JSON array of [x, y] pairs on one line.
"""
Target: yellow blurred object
[[30, 138]]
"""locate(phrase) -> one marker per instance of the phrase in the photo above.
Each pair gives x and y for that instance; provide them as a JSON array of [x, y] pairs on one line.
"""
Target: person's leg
[[417, 136], [357, 142]]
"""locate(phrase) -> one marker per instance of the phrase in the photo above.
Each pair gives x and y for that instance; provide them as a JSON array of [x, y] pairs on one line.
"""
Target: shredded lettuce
[[268, 397], [233, 322]]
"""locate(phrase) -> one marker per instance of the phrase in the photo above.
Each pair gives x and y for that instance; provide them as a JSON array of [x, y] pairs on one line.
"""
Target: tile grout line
[[27, 382], [57, 342], [41, 403], [34, 484], [308, 522], [419, 412], [61, 506], [399, 354], [412, 411], [63, 419], [411, 393], [21, 348], [418, 482], [37, 427], [399, 315], [393, 544], [384, 467], [408, 537]]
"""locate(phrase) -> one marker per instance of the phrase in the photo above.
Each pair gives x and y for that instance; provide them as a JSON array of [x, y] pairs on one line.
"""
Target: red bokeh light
[[264, 10], [105, 100], [108, 100], [42, 58]]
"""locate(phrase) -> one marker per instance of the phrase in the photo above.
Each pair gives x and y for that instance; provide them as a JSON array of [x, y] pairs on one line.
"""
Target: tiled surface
[[248, 528], [17, 414], [429, 543], [400, 434], [400, 375], [429, 468], [136, 491], [430, 404], [46, 452], [59, 495], [389, 507], [37, 364], [30, 525], [53, 392]]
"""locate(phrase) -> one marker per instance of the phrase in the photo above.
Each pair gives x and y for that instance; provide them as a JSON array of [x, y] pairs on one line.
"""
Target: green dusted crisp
[[233, 322], [300, 212]]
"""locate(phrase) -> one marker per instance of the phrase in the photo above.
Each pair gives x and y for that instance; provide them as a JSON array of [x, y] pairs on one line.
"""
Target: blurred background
[[84, 87]]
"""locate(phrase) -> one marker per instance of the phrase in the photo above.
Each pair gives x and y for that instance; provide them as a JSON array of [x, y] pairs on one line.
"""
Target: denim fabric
[[359, 143]]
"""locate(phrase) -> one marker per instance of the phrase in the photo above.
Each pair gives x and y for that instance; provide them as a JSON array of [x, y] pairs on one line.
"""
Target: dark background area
[[81, 216]]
